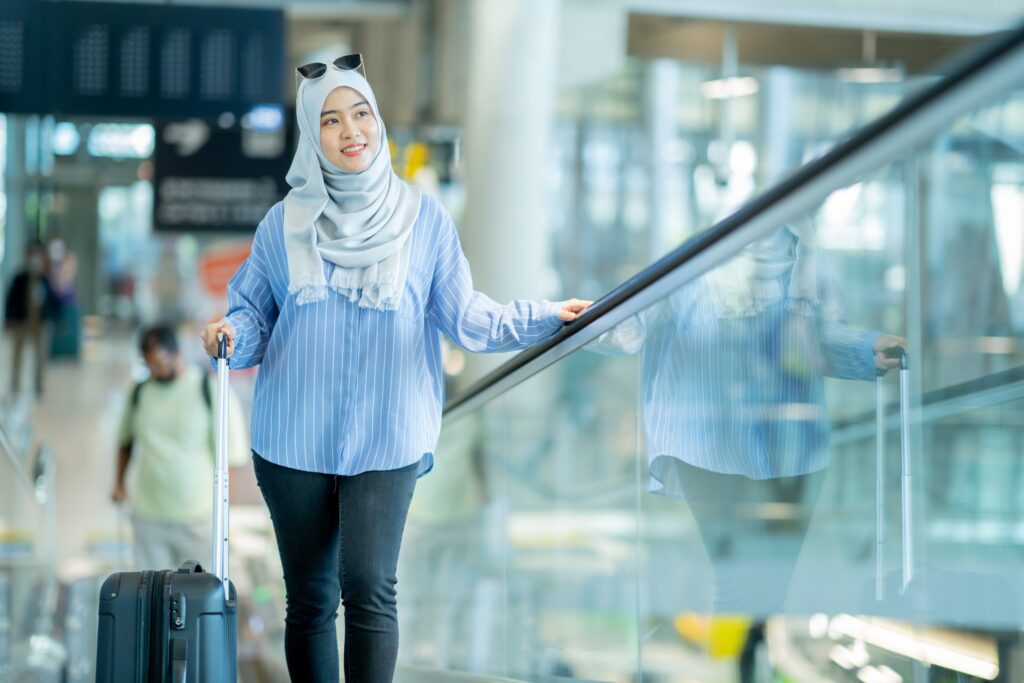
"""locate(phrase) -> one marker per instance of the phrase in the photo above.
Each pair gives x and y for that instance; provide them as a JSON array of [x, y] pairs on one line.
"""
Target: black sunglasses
[[353, 62]]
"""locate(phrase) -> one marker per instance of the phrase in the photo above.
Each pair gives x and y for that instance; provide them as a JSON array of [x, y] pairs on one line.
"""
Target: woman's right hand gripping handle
[[209, 336]]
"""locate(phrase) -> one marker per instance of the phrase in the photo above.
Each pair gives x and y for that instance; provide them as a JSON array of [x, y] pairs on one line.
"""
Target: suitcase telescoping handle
[[220, 477], [880, 486], [906, 478]]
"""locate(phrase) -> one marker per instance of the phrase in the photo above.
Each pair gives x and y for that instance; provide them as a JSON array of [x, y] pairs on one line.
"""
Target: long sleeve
[[473, 320], [849, 352], [252, 307]]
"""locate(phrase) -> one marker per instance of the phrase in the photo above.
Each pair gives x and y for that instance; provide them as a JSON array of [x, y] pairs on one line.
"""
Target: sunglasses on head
[[353, 62]]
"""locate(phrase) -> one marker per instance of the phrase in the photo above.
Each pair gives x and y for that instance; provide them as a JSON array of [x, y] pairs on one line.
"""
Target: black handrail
[[969, 64]]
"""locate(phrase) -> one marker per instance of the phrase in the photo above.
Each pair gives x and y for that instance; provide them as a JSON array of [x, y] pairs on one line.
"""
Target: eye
[[361, 114], [328, 122]]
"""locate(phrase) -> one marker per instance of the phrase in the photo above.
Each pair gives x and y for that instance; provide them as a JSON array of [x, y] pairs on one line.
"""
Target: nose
[[349, 131]]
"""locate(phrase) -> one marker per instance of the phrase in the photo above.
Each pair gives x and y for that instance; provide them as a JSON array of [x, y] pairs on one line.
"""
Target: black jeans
[[338, 537], [717, 502], [721, 505]]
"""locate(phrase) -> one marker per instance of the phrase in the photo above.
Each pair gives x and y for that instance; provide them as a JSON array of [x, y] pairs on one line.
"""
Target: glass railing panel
[[782, 509], [738, 482], [28, 589], [452, 576], [725, 487], [520, 552], [572, 521]]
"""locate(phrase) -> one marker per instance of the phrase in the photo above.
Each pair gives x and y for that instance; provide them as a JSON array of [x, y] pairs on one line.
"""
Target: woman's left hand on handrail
[[572, 309]]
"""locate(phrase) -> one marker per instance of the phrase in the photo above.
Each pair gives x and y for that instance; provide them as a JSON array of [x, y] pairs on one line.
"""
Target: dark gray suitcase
[[175, 626], [166, 626]]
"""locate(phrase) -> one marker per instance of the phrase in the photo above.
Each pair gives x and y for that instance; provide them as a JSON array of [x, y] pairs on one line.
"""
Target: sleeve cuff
[[549, 312], [866, 352]]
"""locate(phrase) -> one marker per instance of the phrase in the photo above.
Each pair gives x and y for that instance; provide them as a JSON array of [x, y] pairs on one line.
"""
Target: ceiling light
[[727, 88], [969, 654], [870, 74]]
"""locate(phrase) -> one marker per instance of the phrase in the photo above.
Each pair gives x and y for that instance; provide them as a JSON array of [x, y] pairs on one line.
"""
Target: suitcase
[[176, 625]]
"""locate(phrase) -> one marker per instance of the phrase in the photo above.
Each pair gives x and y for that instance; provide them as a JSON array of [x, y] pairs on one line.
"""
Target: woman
[[733, 389], [342, 300]]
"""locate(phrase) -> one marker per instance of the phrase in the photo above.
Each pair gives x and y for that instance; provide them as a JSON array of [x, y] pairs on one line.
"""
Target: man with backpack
[[167, 429]]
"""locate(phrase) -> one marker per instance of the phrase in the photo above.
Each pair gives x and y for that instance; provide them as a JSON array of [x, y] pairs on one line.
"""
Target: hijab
[[360, 222], [752, 281]]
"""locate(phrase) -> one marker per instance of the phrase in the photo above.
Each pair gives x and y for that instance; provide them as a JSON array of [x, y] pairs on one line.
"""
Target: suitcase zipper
[[143, 607], [159, 631]]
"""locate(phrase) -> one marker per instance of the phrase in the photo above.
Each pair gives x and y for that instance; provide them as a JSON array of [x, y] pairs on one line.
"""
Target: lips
[[353, 150]]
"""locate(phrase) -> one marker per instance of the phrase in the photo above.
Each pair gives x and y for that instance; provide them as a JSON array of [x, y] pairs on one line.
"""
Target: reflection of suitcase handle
[[906, 477], [220, 477]]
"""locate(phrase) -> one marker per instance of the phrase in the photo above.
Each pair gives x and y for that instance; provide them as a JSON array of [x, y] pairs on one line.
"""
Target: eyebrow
[[335, 111]]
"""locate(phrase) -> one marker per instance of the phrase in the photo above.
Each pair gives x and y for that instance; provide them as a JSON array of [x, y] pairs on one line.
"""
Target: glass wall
[[801, 465], [658, 152]]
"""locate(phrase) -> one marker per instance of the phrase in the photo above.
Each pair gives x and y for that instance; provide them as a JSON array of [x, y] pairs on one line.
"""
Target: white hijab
[[361, 222], [751, 281]]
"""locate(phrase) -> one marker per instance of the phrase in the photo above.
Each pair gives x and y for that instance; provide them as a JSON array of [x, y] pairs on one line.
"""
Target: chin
[[353, 168]]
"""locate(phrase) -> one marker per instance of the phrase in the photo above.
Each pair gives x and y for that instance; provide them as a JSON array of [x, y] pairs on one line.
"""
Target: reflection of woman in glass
[[350, 283], [733, 401]]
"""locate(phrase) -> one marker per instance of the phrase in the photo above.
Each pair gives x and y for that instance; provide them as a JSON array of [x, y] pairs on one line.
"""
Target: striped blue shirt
[[343, 389], [743, 395]]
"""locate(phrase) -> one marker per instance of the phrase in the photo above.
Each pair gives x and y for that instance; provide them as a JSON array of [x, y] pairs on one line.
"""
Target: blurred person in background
[[342, 302], [167, 429], [29, 312], [62, 271]]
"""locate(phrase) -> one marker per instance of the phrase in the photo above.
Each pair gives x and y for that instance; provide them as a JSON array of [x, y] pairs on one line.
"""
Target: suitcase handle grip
[[222, 345], [190, 567], [900, 353]]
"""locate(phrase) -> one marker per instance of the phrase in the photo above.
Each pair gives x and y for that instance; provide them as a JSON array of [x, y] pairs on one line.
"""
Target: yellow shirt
[[172, 428]]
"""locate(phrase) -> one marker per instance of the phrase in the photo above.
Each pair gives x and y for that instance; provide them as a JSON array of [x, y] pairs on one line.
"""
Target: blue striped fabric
[[742, 395], [343, 389]]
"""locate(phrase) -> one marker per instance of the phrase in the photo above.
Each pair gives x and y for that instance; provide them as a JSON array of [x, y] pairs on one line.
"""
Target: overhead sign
[[120, 59], [210, 179]]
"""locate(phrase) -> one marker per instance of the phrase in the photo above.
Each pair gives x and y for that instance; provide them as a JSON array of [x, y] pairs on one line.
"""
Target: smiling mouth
[[353, 150]]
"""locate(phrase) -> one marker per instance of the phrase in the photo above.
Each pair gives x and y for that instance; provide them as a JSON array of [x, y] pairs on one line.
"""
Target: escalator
[[705, 479]]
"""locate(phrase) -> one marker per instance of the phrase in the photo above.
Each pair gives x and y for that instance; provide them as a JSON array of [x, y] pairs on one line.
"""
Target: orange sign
[[217, 266]]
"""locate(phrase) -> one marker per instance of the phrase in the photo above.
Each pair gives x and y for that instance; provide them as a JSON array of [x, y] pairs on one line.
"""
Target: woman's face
[[349, 132]]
